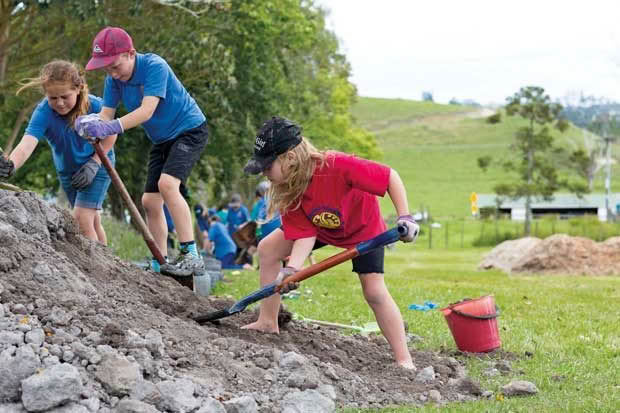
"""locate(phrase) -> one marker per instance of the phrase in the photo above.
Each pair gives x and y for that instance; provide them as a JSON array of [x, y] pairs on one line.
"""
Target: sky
[[478, 49]]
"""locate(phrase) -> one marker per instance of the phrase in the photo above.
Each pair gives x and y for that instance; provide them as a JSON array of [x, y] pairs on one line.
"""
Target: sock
[[189, 247], [155, 265]]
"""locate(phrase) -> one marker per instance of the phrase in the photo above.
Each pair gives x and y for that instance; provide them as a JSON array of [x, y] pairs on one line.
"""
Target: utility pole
[[608, 139]]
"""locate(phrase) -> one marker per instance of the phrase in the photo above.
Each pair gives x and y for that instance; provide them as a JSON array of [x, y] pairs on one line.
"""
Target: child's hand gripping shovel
[[362, 248]]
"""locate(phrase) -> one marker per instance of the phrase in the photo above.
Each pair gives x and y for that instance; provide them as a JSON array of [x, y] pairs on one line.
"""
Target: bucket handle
[[480, 317]]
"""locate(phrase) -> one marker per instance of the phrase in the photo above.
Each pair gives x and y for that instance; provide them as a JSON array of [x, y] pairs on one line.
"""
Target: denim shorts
[[371, 262], [176, 157], [93, 195]]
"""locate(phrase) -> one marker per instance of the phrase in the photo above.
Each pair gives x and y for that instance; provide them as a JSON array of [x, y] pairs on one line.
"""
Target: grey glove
[[85, 175], [413, 229], [289, 286], [7, 167]]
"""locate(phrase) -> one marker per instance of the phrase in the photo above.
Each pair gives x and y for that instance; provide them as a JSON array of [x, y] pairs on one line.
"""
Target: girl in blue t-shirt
[[78, 166]]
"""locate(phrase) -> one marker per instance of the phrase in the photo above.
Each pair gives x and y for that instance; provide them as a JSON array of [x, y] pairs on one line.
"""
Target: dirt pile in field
[[557, 254], [83, 331]]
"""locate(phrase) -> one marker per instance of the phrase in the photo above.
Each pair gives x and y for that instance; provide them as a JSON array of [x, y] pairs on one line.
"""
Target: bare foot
[[408, 365], [262, 327]]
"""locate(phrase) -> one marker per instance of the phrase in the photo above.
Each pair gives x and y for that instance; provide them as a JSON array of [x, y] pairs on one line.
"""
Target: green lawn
[[570, 324]]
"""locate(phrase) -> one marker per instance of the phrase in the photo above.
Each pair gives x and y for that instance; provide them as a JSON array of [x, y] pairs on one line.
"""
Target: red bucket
[[473, 324]]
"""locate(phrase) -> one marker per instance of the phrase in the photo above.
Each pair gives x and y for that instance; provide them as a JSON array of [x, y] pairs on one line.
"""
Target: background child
[[157, 100], [222, 244], [237, 214], [326, 198], [78, 166]]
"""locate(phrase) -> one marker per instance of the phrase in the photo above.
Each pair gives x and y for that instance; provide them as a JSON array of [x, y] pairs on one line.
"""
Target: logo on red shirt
[[329, 218]]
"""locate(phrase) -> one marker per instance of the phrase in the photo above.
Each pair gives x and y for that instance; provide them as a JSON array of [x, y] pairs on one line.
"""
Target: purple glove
[[285, 272], [413, 229], [95, 127]]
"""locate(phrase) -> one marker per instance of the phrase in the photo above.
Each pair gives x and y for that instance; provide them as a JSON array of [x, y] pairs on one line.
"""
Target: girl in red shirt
[[326, 198]]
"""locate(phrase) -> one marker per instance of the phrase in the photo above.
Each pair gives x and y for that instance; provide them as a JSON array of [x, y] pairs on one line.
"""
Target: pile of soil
[[83, 331], [557, 254]]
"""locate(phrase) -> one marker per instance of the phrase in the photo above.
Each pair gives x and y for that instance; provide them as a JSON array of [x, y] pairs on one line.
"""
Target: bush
[[495, 118]]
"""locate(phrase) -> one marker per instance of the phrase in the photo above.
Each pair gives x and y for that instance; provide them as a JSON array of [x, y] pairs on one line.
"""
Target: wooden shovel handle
[[133, 211]]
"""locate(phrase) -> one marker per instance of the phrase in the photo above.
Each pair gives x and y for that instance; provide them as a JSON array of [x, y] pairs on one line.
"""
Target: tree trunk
[[4, 38], [17, 126]]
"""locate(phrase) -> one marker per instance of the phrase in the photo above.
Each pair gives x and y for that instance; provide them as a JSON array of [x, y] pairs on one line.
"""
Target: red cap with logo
[[107, 46]]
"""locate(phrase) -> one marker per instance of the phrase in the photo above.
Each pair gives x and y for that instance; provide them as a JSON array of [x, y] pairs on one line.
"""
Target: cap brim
[[99, 62], [257, 165]]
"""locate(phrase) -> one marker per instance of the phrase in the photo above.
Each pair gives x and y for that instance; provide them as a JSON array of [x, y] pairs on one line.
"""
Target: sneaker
[[184, 266]]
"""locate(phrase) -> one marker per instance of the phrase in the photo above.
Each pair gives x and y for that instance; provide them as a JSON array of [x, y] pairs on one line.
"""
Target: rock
[[309, 401], [134, 406], [177, 395], [244, 404], [36, 336], [292, 360], [425, 375], [210, 405], [69, 408], [117, 374], [434, 395], [15, 367], [519, 388], [469, 385], [54, 386], [11, 338]]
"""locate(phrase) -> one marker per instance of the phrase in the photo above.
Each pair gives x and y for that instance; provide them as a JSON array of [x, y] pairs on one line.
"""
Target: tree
[[243, 62], [535, 167]]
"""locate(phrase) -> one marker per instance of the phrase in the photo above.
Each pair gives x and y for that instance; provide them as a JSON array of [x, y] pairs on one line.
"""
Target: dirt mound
[[102, 335], [557, 254]]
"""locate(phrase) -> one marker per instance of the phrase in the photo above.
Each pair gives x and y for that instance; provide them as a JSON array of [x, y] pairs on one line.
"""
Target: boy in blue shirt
[[237, 213], [157, 100], [223, 245]]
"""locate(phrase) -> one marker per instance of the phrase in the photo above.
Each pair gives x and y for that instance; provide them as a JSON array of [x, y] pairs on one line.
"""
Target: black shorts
[[363, 264], [176, 157]]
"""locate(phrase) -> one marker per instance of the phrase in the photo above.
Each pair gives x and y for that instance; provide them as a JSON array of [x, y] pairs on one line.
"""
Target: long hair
[[298, 170], [62, 71]]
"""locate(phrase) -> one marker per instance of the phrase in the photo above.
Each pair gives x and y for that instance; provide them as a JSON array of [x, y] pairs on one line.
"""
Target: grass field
[[570, 324]]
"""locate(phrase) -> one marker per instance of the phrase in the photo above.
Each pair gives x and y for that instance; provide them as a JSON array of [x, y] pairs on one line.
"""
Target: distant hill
[[435, 148], [583, 116]]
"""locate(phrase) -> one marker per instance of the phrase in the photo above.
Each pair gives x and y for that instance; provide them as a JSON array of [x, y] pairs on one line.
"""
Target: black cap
[[275, 137]]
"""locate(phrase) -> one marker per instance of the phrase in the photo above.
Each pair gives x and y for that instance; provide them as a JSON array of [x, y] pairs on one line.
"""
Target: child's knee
[[152, 202], [168, 184]]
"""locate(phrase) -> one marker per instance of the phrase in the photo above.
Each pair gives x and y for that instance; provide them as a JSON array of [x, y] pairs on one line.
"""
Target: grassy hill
[[435, 149]]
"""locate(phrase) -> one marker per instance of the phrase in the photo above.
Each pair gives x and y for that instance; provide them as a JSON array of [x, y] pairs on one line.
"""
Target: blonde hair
[[62, 71], [298, 169]]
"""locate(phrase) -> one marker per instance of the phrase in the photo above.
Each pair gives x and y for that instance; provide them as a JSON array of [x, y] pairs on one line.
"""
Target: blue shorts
[[93, 195]]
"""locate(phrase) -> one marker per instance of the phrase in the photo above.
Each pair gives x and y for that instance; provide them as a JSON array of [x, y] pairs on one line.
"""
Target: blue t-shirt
[[69, 150], [221, 240], [202, 222], [176, 112], [259, 210], [237, 217]]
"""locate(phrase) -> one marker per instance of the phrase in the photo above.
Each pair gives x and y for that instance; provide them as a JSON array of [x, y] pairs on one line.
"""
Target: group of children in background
[[315, 198]]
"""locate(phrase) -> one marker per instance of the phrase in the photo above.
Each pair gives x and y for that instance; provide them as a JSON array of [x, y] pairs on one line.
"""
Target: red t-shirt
[[340, 206]]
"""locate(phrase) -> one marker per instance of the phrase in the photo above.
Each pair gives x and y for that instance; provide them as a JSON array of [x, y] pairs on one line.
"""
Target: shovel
[[268, 290], [135, 215]]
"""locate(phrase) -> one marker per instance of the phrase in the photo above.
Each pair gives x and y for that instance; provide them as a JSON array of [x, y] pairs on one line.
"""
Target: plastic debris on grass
[[428, 305]]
